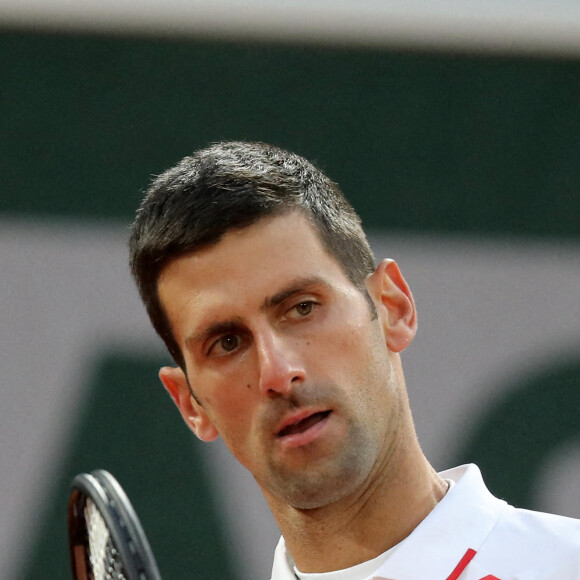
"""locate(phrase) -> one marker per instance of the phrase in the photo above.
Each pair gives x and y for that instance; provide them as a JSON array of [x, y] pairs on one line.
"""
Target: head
[[288, 363], [257, 274], [231, 186]]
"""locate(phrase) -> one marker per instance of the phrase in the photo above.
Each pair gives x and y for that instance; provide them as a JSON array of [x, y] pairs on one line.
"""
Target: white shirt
[[472, 535]]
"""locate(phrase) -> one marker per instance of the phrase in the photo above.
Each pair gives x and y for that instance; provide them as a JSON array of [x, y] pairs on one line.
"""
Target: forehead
[[248, 263]]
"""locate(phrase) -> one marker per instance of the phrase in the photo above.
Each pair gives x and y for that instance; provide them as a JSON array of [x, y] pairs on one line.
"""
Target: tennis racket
[[106, 539]]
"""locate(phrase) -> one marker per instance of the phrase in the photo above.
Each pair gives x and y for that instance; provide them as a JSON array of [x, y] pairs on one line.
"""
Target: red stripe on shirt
[[467, 557]]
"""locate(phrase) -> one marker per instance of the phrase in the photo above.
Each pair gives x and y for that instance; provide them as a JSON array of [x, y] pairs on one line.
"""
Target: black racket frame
[[121, 519]]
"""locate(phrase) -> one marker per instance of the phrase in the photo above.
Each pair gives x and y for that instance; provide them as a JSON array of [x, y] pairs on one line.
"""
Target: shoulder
[[537, 529], [533, 545], [513, 542]]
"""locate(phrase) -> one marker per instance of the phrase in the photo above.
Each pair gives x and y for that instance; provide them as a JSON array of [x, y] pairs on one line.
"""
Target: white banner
[[511, 26]]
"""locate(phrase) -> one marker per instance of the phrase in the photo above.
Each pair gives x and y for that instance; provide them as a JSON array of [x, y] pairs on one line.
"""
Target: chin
[[307, 491]]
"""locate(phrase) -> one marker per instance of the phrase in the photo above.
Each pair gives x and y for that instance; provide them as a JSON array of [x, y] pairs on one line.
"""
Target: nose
[[279, 365]]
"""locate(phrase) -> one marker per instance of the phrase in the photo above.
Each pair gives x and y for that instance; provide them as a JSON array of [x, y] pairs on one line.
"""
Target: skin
[[286, 361]]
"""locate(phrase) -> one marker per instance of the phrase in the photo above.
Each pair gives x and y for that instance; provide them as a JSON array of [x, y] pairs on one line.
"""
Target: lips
[[302, 424]]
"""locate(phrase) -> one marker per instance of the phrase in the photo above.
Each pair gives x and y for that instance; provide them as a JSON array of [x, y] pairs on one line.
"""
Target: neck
[[381, 513]]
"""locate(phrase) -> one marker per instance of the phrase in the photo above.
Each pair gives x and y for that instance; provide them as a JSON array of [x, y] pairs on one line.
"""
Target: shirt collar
[[462, 520]]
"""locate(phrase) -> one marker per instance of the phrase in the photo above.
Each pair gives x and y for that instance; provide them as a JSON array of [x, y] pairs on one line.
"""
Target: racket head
[[106, 539]]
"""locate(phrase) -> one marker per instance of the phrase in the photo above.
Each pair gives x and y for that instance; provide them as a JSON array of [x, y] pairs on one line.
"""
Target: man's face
[[287, 362]]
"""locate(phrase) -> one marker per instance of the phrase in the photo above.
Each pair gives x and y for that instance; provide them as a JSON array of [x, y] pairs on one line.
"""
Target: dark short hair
[[232, 185]]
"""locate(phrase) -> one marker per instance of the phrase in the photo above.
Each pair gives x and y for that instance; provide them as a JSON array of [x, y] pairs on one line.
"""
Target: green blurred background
[[434, 143]]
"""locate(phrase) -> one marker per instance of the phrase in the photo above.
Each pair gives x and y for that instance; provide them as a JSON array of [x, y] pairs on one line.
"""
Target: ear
[[395, 305], [177, 385]]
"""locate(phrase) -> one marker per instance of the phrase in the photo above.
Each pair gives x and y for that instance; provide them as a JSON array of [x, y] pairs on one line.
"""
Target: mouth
[[300, 426]]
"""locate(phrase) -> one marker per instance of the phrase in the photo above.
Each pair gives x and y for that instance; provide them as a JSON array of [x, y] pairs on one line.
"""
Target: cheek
[[361, 365], [229, 405], [352, 347]]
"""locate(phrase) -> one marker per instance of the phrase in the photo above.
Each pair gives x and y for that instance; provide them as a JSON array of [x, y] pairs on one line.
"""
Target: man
[[257, 274]]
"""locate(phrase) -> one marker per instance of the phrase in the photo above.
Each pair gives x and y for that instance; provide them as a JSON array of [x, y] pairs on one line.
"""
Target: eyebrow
[[215, 329], [295, 287], [233, 325]]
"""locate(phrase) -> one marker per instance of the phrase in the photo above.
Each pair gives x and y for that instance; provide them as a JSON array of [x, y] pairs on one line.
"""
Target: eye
[[301, 310], [304, 308], [225, 344]]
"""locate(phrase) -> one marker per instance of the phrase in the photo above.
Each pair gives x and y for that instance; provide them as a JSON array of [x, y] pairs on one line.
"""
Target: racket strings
[[103, 555]]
